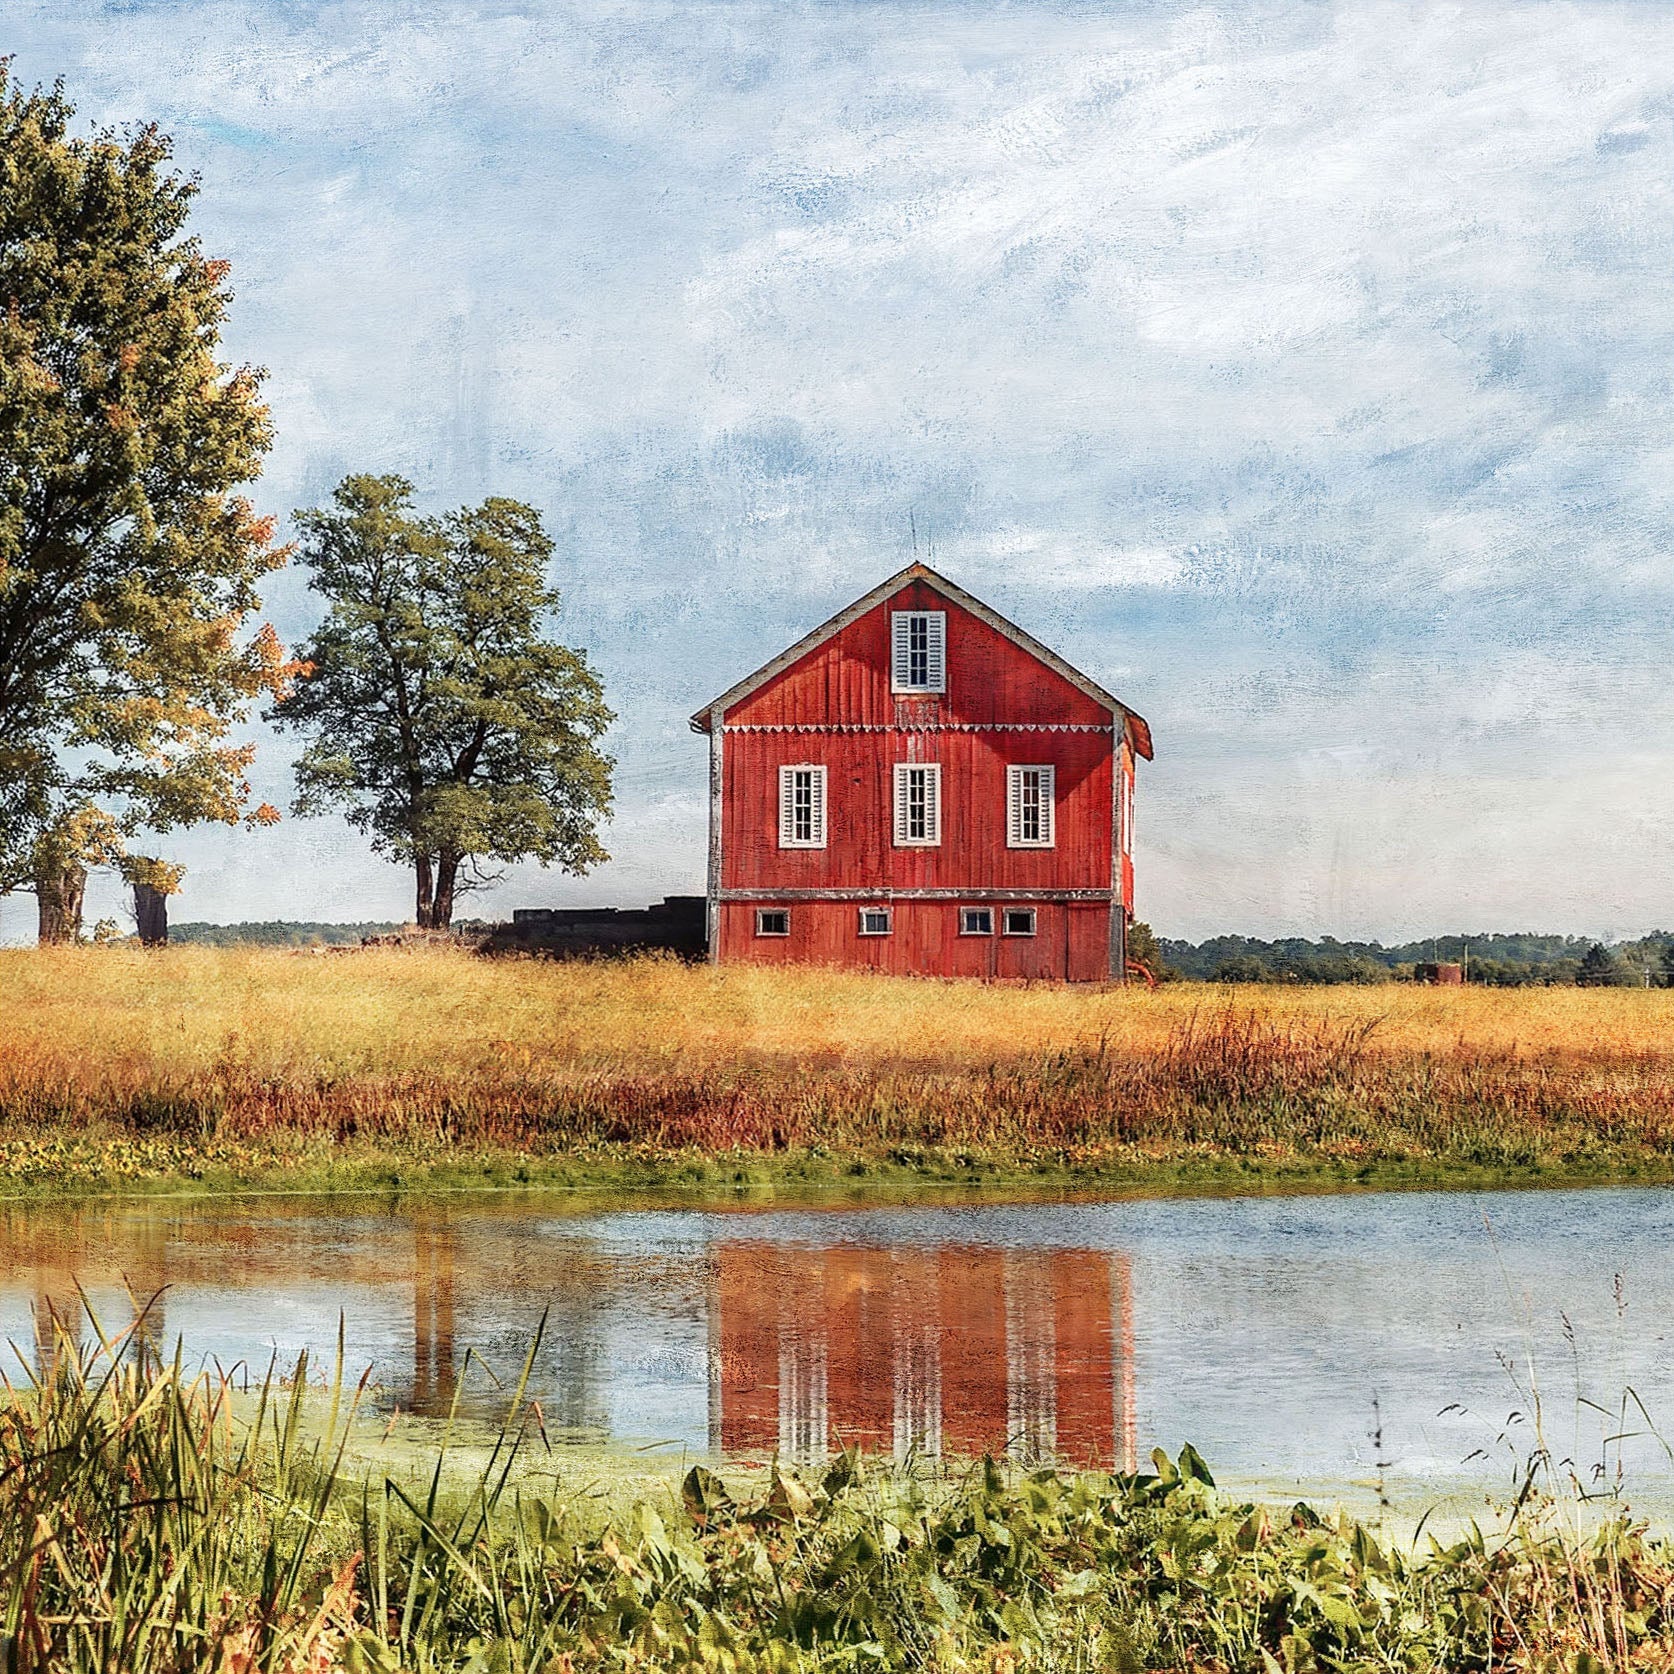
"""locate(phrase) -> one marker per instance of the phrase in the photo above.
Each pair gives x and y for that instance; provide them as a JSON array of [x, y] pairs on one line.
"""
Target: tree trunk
[[58, 898], [447, 869], [426, 890], [151, 908]]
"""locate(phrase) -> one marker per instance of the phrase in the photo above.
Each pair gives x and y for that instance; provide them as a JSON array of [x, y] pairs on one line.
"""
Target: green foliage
[[149, 1523], [440, 717], [1496, 961], [278, 933], [128, 565], [1144, 948], [1600, 968]]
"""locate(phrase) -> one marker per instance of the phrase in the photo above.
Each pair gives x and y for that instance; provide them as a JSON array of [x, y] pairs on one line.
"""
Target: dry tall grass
[[449, 1053]]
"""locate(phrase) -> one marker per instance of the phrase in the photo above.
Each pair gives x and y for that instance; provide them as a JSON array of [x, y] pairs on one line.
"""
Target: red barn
[[920, 787]]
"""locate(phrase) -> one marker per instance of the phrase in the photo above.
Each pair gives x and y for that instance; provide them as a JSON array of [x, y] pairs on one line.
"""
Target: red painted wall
[[847, 678], [1070, 941], [844, 684]]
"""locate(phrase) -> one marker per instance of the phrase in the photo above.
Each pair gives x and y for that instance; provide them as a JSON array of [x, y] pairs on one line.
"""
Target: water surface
[[1303, 1344]]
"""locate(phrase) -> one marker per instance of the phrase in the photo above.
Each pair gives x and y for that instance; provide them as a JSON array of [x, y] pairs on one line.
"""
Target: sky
[[1302, 372]]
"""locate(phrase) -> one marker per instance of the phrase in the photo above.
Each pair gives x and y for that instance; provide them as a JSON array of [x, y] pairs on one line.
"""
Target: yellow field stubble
[[123, 1017]]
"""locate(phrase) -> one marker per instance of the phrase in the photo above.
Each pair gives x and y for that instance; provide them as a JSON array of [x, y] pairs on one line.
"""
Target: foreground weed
[[151, 1522]]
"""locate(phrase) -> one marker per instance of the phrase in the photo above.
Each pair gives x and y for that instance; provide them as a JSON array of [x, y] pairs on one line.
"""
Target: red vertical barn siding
[[1126, 770], [846, 679], [1070, 943], [860, 847]]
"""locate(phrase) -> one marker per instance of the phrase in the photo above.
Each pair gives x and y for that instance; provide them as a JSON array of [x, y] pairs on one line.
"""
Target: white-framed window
[[802, 806], [918, 804], [976, 921], [1031, 807], [876, 921], [772, 921], [918, 651], [1020, 921]]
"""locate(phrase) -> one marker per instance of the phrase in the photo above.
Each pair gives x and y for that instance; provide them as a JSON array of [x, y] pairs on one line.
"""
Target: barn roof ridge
[[919, 571]]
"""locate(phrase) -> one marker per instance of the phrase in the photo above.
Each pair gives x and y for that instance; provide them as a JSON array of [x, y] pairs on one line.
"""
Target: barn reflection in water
[[949, 1350]]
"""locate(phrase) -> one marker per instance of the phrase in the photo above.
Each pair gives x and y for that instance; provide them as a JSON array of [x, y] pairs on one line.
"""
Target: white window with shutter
[[918, 805], [802, 806], [1031, 807], [918, 651]]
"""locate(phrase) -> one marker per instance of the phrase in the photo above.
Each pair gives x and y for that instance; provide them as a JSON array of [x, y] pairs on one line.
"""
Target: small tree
[[153, 881], [1144, 949], [442, 718], [1600, 968], [128, 564]]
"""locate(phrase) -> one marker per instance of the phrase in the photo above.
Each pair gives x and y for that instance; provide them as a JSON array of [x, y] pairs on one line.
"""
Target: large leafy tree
[[443, 719], [128, 562]]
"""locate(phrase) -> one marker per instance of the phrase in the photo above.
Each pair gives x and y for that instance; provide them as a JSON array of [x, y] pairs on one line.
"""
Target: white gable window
[[1031, 807], [918, 805], [802, 807], [918, 651]]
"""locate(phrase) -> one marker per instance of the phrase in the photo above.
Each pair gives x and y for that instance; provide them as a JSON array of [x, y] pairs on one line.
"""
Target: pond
[[1315, 1345]]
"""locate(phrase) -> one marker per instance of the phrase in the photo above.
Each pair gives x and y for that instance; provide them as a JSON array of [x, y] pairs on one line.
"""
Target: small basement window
[[1020, 921], [976, 921], [875, 921], [772, 921]]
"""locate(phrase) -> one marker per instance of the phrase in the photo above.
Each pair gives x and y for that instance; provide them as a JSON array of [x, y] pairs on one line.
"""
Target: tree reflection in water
[[909, 1350]]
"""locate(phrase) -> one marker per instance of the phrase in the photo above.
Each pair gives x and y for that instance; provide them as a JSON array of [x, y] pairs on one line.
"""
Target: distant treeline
[[276, 933], [1501, 961], [1505, 961]]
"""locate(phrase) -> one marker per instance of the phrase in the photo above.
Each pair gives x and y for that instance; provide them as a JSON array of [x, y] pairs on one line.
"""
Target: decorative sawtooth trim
[[919, 726], [887, 894]]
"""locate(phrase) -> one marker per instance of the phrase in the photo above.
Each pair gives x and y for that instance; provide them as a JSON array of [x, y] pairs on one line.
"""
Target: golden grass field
[[188, 1011], [198, 1058]]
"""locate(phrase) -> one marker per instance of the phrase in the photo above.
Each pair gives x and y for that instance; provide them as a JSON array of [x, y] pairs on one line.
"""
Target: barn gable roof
[[1137, 725]]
